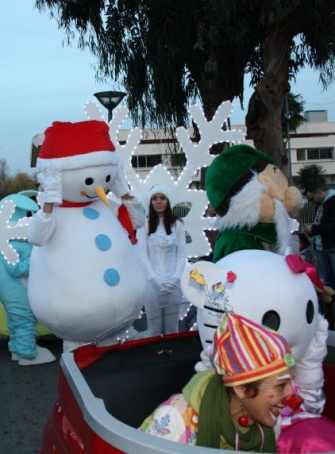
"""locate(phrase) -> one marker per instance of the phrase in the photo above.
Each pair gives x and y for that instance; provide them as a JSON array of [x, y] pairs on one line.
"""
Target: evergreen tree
[[167, 53], [311, 177]]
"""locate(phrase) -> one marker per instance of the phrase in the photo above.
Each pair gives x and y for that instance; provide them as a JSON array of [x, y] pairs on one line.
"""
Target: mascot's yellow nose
[[100, 192]]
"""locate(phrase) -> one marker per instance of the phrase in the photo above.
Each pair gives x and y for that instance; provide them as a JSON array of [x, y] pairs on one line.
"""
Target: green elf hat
[[230, 171]]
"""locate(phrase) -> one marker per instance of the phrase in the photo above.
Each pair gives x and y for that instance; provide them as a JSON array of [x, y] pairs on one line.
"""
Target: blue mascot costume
[[21, 321]]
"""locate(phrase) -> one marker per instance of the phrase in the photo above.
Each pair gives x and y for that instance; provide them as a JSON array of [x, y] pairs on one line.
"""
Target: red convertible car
[[106, 392]]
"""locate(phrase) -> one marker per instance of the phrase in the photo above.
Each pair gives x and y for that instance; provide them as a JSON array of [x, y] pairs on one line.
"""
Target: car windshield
[[172, 318]]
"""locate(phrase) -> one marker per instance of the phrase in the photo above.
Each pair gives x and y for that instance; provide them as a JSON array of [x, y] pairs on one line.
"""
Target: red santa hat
[[76, 145]]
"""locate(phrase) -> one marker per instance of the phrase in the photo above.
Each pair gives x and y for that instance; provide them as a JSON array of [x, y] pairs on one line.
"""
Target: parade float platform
[[106, 392]]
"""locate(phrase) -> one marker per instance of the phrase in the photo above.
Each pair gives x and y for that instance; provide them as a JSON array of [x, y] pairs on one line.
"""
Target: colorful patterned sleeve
[[169, 421]]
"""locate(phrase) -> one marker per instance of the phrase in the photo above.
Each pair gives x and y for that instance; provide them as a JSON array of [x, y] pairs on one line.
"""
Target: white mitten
[[51, 182], [171, 284], [119, 185], [158, 284], [206, 362], [309, 372]]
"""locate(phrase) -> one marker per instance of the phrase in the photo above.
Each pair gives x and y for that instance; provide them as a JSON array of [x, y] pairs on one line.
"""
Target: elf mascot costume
[[252, 199]]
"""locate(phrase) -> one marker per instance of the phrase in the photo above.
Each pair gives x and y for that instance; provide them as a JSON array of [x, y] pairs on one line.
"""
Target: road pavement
[[27, 396]]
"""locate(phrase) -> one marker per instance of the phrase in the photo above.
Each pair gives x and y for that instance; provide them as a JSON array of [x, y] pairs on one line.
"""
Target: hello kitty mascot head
[[268, 288]]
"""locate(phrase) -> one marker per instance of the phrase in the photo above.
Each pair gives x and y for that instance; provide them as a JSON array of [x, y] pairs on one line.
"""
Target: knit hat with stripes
[[244, 351]]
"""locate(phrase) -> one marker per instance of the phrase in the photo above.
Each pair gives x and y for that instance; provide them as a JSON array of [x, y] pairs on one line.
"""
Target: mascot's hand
[[206, 362], [309, 373], [292, 200], [51, 182], [120, 186], [327, 294]]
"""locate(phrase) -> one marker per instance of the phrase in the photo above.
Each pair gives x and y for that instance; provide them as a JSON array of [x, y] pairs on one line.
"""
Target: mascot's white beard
[[244, 211], [282, 221]]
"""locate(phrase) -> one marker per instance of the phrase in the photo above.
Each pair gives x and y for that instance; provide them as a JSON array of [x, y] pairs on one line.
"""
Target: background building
[[312, 143]]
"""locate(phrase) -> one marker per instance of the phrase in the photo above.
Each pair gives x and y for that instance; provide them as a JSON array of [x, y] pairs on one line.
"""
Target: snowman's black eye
[[271, 319], [89, 181], [108, 178], [309, 312]]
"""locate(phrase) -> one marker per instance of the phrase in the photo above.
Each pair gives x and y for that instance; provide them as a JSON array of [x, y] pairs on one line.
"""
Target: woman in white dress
[[162, 251]]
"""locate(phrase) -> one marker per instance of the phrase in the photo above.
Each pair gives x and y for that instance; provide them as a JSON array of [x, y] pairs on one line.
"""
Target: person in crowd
[[323, 230], [236, 404], [162, 251], [304, 247]]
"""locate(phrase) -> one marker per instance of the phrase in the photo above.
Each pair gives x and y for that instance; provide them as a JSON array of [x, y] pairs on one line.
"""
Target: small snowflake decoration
[[197, 155], [11, 231], [216, 295]]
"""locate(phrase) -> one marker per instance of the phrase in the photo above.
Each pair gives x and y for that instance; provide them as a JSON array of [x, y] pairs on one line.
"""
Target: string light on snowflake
[[141, 315], [122, 340], [11, 231], [186, 313], [93, 112], [197, 156], [294, 225], [194, 326]]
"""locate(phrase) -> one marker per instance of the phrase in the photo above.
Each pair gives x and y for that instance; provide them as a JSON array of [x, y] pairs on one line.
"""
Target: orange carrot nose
[[100, 192]]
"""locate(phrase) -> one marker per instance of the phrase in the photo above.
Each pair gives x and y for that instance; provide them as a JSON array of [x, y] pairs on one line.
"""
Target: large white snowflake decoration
[[197, 155], [11, 231]]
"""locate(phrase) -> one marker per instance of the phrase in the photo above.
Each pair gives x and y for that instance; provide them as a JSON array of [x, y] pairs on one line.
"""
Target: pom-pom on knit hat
[[244, 351], [230, 171], [76, 145]]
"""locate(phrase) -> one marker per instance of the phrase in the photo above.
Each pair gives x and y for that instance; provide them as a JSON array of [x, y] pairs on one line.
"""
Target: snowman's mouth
[[93, 197]]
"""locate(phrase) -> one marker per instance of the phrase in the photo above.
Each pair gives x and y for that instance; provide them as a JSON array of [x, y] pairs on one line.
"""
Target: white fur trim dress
[[163, 258]]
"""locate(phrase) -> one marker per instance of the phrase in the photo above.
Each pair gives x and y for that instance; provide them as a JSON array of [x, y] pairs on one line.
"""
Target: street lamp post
[[110, 99]]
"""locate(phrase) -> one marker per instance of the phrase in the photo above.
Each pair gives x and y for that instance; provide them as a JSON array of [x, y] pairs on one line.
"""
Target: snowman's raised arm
[[136, 212], [119, 186], [50, 179]]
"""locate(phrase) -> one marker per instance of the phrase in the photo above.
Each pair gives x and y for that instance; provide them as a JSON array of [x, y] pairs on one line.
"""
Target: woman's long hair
[[169, 219]]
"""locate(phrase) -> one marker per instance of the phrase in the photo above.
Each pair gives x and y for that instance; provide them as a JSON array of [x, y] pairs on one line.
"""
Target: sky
[[44, 80]]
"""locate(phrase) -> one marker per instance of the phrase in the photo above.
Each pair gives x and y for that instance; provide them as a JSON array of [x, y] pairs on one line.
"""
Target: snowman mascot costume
[[85, 276], [21, 321], [278, 292]]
